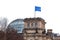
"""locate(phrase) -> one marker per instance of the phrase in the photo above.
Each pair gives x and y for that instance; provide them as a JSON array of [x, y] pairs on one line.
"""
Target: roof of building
[[34, 19], [39, 19], [17, 24], [17, 20]]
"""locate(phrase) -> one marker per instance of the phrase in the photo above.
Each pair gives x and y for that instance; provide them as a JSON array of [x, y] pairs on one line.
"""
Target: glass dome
[[17, 24]]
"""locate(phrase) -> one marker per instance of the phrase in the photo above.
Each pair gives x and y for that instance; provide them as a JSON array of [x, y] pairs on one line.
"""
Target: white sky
[[13, 9]]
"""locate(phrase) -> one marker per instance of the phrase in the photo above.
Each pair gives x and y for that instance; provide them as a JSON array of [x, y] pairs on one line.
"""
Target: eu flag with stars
[[37, 8]]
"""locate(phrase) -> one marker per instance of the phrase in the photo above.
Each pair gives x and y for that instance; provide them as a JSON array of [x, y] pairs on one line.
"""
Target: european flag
[[37, 8]]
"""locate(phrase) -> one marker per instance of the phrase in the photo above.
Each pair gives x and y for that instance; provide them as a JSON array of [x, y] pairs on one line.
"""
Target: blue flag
[[37, 8]]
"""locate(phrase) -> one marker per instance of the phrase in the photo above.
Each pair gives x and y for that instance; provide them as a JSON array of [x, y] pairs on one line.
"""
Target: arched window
[[28, 25], [34, 24]]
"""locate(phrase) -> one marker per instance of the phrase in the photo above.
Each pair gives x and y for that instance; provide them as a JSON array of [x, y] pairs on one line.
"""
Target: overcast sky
[[50, 11]]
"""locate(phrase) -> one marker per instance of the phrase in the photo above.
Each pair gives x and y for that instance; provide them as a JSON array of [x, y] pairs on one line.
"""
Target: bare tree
[[3, 24], [2, 35], [11, 34]]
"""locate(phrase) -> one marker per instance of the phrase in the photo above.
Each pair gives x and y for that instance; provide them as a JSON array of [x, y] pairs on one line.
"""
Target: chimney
[[49, 30]]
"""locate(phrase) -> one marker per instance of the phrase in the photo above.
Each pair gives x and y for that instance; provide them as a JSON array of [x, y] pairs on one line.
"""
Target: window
[[28, 25], [34, 24]]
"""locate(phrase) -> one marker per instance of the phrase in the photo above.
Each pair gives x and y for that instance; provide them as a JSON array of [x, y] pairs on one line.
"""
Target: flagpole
[[34, 14]]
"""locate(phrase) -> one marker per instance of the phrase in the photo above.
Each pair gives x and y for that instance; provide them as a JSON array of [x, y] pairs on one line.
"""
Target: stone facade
[[34, 29]]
